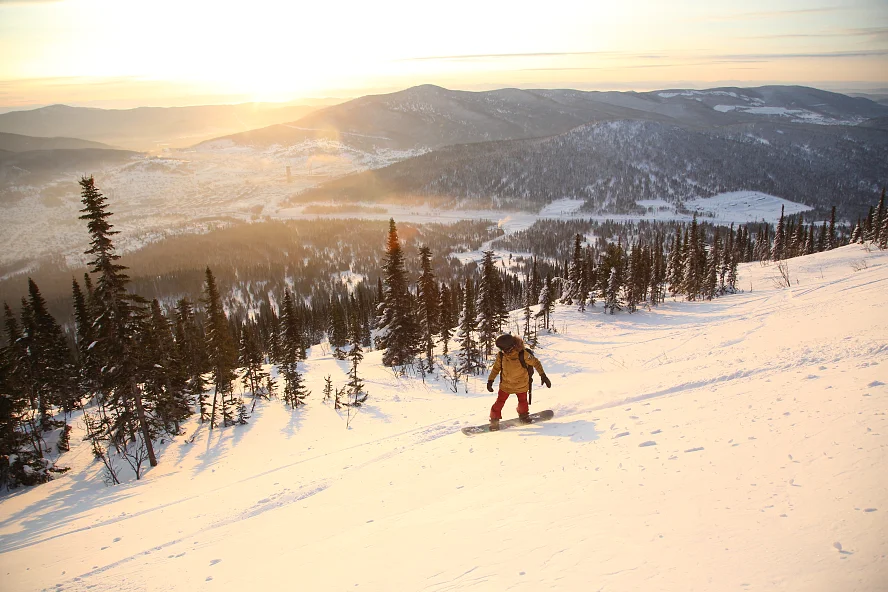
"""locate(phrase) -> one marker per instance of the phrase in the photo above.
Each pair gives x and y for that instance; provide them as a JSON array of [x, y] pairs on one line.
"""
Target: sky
[[114, 53]]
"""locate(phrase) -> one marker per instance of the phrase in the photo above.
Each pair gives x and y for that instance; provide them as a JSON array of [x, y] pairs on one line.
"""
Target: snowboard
[[505, 424]]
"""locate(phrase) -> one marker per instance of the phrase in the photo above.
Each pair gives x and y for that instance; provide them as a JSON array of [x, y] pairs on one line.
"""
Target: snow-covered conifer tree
[[396, 324], [470, 354]]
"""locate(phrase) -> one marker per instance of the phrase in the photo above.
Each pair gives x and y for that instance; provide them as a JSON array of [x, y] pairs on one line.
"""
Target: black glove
[[490, 386], [545, 380]]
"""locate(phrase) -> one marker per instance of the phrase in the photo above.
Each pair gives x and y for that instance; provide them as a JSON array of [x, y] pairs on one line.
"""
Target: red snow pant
[[496, 412]]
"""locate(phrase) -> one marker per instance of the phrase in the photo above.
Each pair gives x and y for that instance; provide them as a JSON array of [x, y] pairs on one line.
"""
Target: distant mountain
[[19, 143], [613, 164], [42, 166], [147, 128], [431, 117]]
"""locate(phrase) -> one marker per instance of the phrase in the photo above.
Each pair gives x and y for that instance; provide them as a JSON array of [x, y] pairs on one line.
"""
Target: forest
[[613, 164], [139, 357]]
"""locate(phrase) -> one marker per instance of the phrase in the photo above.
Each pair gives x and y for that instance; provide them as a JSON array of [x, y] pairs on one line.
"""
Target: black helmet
[[505, 342]]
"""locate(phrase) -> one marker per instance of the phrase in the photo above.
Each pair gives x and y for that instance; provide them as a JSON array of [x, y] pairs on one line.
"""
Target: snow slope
[[738, 444]]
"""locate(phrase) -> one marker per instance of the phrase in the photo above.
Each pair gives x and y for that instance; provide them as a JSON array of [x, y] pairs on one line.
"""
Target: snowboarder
[[515, 365]]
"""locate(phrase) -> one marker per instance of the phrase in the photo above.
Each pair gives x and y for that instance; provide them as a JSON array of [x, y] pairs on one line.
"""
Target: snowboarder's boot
[[494, 425], [524, 417]]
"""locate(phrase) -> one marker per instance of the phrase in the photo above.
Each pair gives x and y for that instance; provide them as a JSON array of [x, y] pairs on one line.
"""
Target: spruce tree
[[470, 354], [879, 216], [163, 373], [710, 274], [88, 373], [590, 279], [192, 355], [883, 233], [574, 274], [632, 296], [831, 239], [491, 304], [328, 388], [612, 301], [290, 353], [529, 335], [547, 301], [448, 318], [53, 371], [253, 375], [396, 325], [221, 351], [355, 386], [338, 331], [693, 276], [19, 398], [427, 300], [117, 319], [675, 269]]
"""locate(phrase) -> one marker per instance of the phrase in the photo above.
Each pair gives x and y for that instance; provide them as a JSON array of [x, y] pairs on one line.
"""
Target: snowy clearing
[[737, 444]]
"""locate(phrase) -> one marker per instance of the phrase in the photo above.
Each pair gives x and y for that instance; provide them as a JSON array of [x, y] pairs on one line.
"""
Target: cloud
[[494, 56], [812, 55], [773, 14], [877, 32], [25, 2]]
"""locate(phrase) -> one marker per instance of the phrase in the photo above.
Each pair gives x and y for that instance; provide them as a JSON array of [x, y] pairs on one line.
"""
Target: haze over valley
[[432, 148]]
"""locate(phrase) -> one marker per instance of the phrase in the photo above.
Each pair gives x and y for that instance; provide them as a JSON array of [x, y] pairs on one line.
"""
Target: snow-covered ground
[[743, 207], [738, 444], [192, 191]]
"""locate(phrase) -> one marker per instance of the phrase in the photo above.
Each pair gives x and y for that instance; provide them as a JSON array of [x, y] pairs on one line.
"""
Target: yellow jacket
[[514, 375]]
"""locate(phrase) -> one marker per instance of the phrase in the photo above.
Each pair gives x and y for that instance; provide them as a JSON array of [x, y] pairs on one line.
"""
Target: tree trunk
[[213, 415], [146, 433]]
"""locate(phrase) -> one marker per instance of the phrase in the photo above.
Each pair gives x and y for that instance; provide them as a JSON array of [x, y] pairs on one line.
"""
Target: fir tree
[[163, 373], [857, 233], [632, 295], [448, 318], [338, 331], [253, 374], [52, 369], [879, 216], [470, 354], [290, 347], [396, 326], [675, 269], [831, 239], [221, 351], [88, 372], [328, 388], [612, 294], [18, 396], [575, 274], [427, 299], [822, 241], [587, 290], [118, 316], [491, 304], [355, 386], [547, 301], [710, 275], [693, 275], [529, 335], [192, 355]]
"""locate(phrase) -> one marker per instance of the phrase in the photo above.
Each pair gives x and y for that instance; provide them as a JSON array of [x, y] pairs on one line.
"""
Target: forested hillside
[[612, 165]]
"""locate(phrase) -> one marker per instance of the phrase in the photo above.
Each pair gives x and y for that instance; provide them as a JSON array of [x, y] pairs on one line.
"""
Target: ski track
[[425, 434], [700, 363]]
